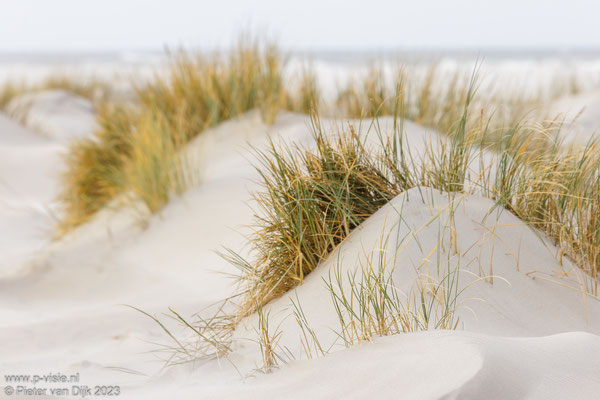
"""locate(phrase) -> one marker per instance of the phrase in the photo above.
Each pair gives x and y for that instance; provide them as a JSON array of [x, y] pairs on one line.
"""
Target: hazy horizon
[[70, 26], [332, 55]]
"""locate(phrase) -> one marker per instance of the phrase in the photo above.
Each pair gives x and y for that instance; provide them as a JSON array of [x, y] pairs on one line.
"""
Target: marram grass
[[136, 148], [312, 198], [199, 92]]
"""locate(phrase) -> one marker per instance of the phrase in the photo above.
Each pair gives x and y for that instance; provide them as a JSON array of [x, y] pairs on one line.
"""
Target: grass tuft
[[311, 201], [136, 147]]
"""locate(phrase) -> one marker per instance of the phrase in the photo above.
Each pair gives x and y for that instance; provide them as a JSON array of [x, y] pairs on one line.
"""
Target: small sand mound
[[437, 365], [413, 233], [508, 284], [58, 114]]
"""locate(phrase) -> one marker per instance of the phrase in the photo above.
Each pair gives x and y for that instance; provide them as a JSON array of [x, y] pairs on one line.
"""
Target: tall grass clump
[[555, 189], [155, 169], [95, 175], [312, 198], [306, 96], [429, 100], [135, 148], [368, 96], [9, 91]]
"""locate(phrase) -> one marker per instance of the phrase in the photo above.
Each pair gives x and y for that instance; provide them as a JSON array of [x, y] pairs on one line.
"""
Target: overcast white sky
[[99, 25]]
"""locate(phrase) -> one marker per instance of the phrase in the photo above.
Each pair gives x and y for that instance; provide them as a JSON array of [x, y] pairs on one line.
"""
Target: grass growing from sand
[[136, 148], [311, 201], [368, 302], [313, 197], [202, 91], [434, 100], [555, 189]]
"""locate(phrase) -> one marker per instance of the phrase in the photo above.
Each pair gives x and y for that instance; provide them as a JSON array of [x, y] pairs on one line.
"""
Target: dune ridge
[[516, 334]]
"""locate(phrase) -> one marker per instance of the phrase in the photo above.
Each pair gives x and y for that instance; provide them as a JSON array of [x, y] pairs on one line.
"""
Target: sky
[[109, 25]]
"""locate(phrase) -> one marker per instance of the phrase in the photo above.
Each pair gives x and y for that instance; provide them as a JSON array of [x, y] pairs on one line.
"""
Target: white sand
[[29, 168], [60, 303], [57, 114]]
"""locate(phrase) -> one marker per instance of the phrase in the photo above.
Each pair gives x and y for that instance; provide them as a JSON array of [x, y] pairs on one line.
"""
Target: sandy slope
[[29, 166], [462, 364], [60, 305], [412, 234], [57, 114], [502, 349], [435, 365]]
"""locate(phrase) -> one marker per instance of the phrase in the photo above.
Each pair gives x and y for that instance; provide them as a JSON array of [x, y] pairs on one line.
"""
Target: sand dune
[[435, 365], [61, 304], [57, 114]]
